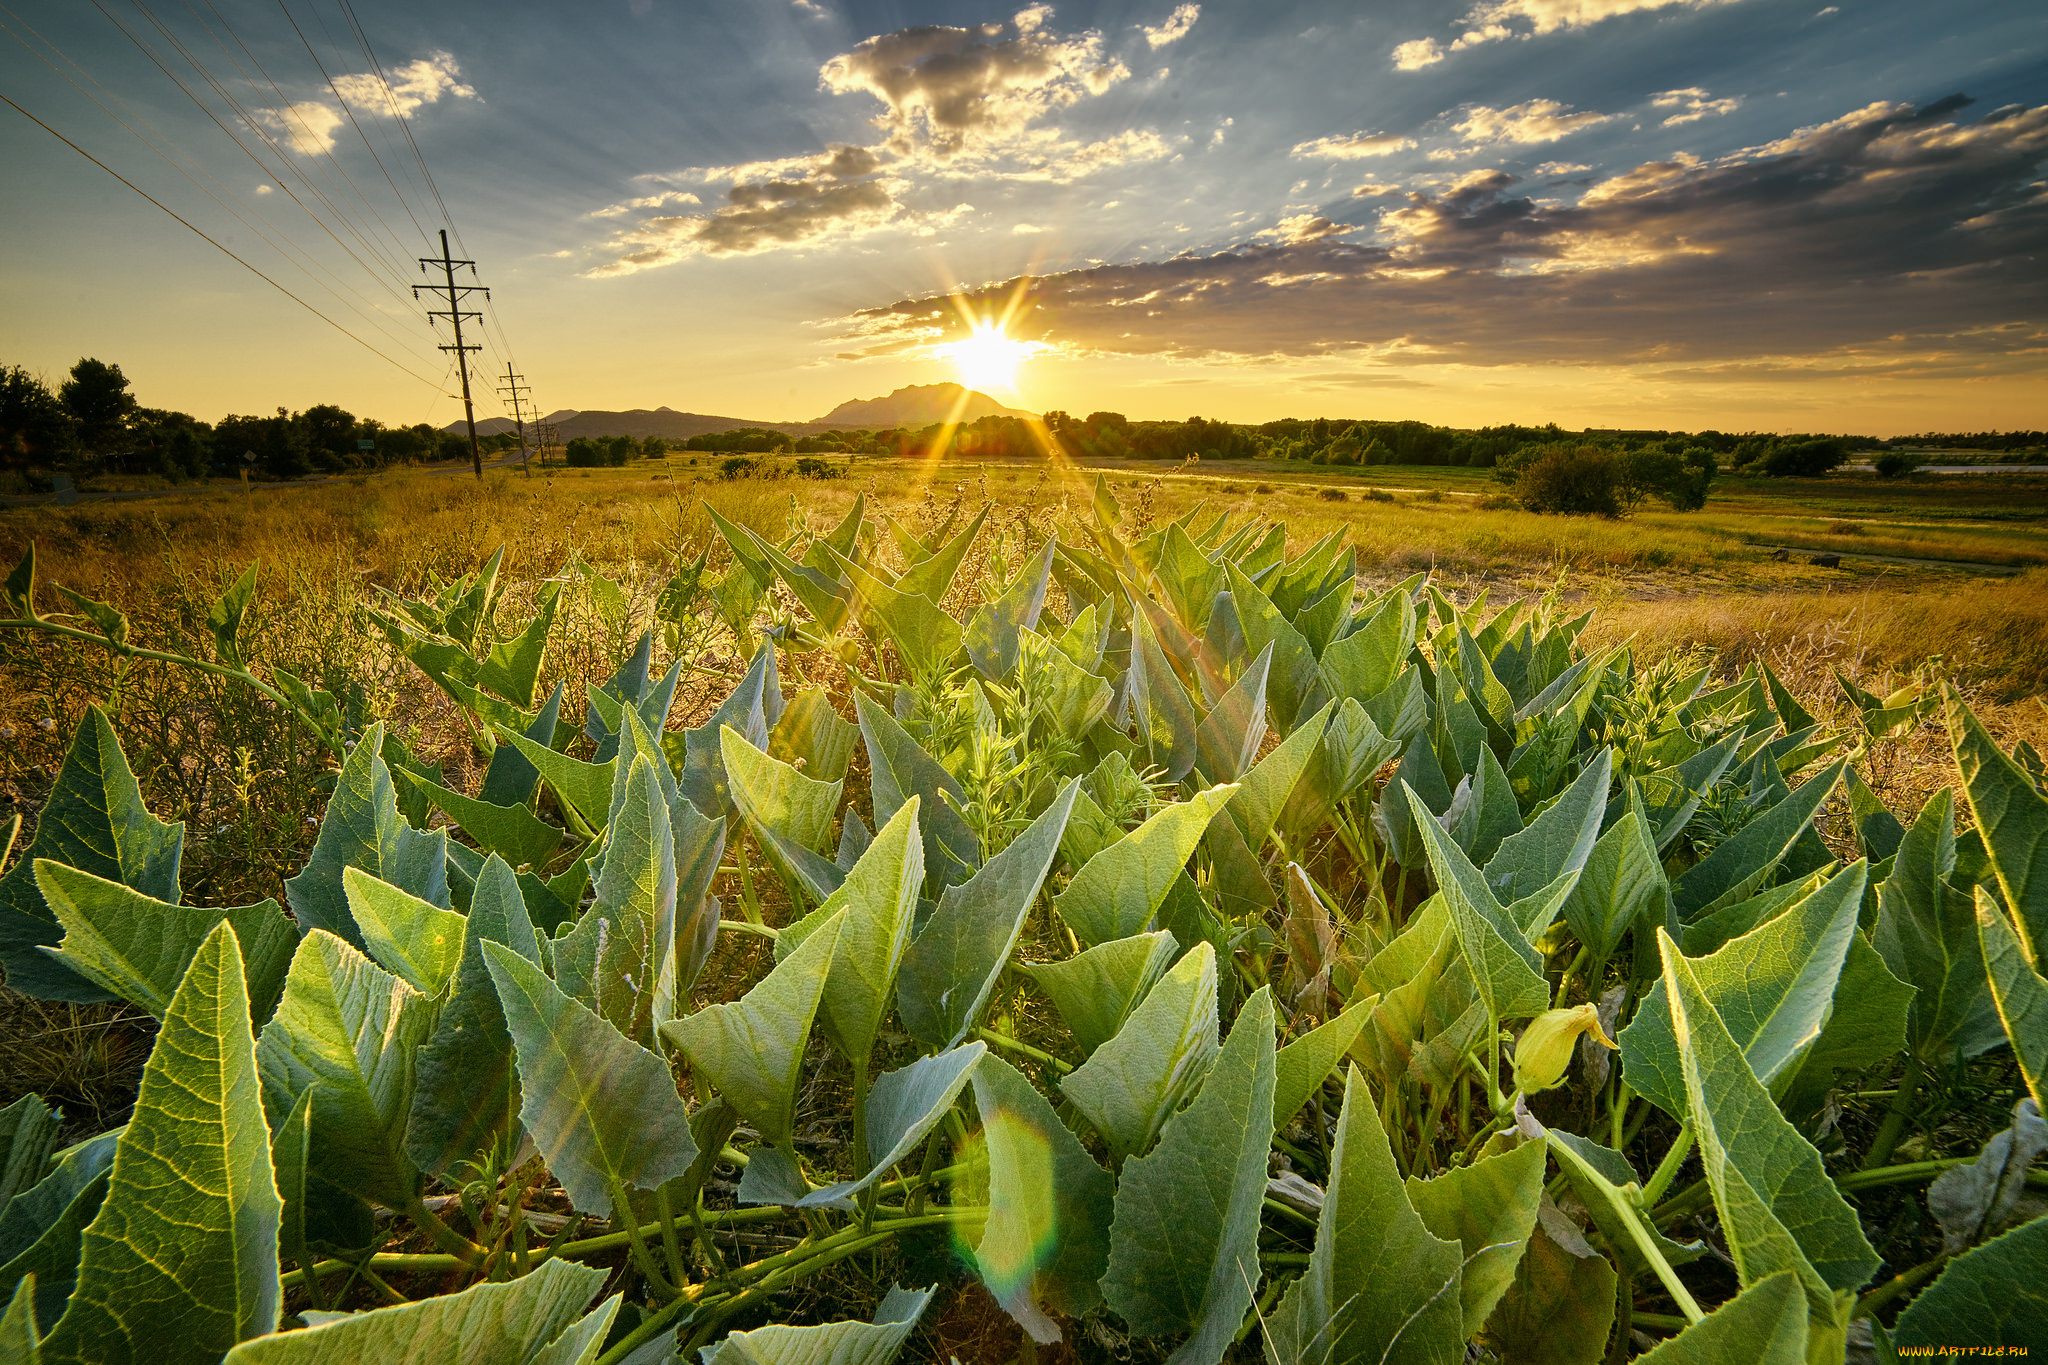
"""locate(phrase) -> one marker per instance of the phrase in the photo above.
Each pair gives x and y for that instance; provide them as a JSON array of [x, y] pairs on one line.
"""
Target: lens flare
[[1022, 1229]]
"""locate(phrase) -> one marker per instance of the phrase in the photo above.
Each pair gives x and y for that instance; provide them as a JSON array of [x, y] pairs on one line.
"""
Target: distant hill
[[916, 406]]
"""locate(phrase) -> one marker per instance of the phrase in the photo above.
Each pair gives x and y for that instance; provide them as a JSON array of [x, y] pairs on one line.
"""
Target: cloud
[[1353, 146], [1175, 28], [1693, 104], [1418, 53], [1372, 189], [958, 104], [1532, 121], [1026, 229], [1892, 230], [1560, 168], [1306, 227], [311, 125], [945, 89], [1502, 19]]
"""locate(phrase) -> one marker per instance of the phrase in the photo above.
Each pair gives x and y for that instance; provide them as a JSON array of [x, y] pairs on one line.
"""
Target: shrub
[[810, 467], [1571, 480], [1333, 495], [1378, 495], [1805, 459], [1896, 464], [738, 467]]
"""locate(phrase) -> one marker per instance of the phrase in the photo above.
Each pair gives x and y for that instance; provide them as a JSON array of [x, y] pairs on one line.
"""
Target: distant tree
[[1581, 480], [1896, 464], [35, 428], [172, 445], [451, 446], [280, 445], [1805, 459], [654, 448], [331, 437], [96, 395]]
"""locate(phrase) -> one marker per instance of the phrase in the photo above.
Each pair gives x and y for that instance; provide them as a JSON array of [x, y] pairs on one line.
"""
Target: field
[[1013, 880]]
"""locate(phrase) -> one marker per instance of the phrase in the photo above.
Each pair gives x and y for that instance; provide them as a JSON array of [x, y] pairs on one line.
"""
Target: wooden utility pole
[[454, 313], [513, 390]]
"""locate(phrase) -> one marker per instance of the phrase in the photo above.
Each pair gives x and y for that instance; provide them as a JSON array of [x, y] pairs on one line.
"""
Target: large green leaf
[[814, 737], [1763, 1325], [1164, 712], [42, 1228], [831, 1343], [1489, 1209], [1866, 1025], [93, 820], [20, 1343], [1184, 1246], [1557, 842], [508, 1323], [466, 1091], [1927, 932], [1365, 663], [1133, 1083], [902, 1107], [181, 1261], [1301, 1067], [1095, 990], [952, 966], [1294, 661], [602, 1109], [1622, 885], [1559, 1310], [512, 832], [752, 1049], [2020, 993], [137, 947], [28, 1134], [511, 780], [1380, 1285], [1740, 863], [363, 829], [1773, 989], [416, 942], [619, 960], [586, 787], [994, 634], [353, 1030], [1779, 1211], [1046, 1241], [775, 797], [1994, 1295], [879, 897], [2013, 814], [1117, 892], [1505, 968], [898, 770]]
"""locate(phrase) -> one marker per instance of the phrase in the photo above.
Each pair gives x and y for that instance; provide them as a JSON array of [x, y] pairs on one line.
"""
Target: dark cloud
[[1892, 226]]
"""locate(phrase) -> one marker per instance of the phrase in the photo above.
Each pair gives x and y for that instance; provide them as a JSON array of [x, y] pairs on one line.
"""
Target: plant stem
[[1667, 1170], [1895, 1118], [1022, 1049], [643, 1259], [461, 1248], [1898, 1284]]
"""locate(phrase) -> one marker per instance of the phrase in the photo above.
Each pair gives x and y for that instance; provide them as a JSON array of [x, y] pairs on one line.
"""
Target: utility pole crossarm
[[515, 391], [455, 314]]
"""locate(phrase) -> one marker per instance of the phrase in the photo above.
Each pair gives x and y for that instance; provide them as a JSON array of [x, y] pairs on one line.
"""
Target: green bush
[[1896, 464]]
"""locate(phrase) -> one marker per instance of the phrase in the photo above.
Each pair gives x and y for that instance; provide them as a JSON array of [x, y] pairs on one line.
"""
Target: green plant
[[1388, 960]]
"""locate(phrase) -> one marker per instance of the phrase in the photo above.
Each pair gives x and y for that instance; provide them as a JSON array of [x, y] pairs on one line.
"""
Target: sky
[[1738, 214]]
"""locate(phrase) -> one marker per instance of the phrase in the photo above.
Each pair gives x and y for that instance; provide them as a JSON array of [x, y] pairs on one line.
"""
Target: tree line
[[92, 423]]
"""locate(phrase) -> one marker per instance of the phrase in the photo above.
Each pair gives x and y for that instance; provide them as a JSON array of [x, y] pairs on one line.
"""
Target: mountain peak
[[917, 405]]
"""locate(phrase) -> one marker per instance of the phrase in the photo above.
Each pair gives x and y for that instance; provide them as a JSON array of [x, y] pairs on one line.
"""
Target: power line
[[455, 314], [215, 245]]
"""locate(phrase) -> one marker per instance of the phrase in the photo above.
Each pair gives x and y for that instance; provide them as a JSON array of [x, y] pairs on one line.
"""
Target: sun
[[987, 358]]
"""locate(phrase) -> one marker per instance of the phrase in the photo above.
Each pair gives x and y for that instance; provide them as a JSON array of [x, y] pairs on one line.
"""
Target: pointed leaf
[[1763, 1325], [1380, 1285], [181, 1262], [1131, 1085], [619, 960], [2020, 993], [1183, 1253], [1772, 988], [1739, 864], [812, 731], [93, 820], [1301, 1067], [362, 828], [1506, 970], [1927, 932], [1046, 1241], [952, 966], [879, 897], [467, 1092], [1622, 885], [1995, 1295], [774, 796], [898, 770], [1489, 1209], [753, 1049], [352, 1030], [1117, 892], [1779, 1211], [602, 1109], [137, 947], [1095, 990], [508, 1323], [831, 1343], [513, 832], [414, 941], [902, 1107], [2013, 814], [1556, 842]]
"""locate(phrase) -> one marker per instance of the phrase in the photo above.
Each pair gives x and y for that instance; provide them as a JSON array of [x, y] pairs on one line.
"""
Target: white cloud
[[1530, 121], [1027, 229], [1372, 189], [1175, 28], [1416, 54], [311, 125], [263, 189], [1501, 19], [1306, 227], [1692, 104], [1353, 146], [1560, 168]]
